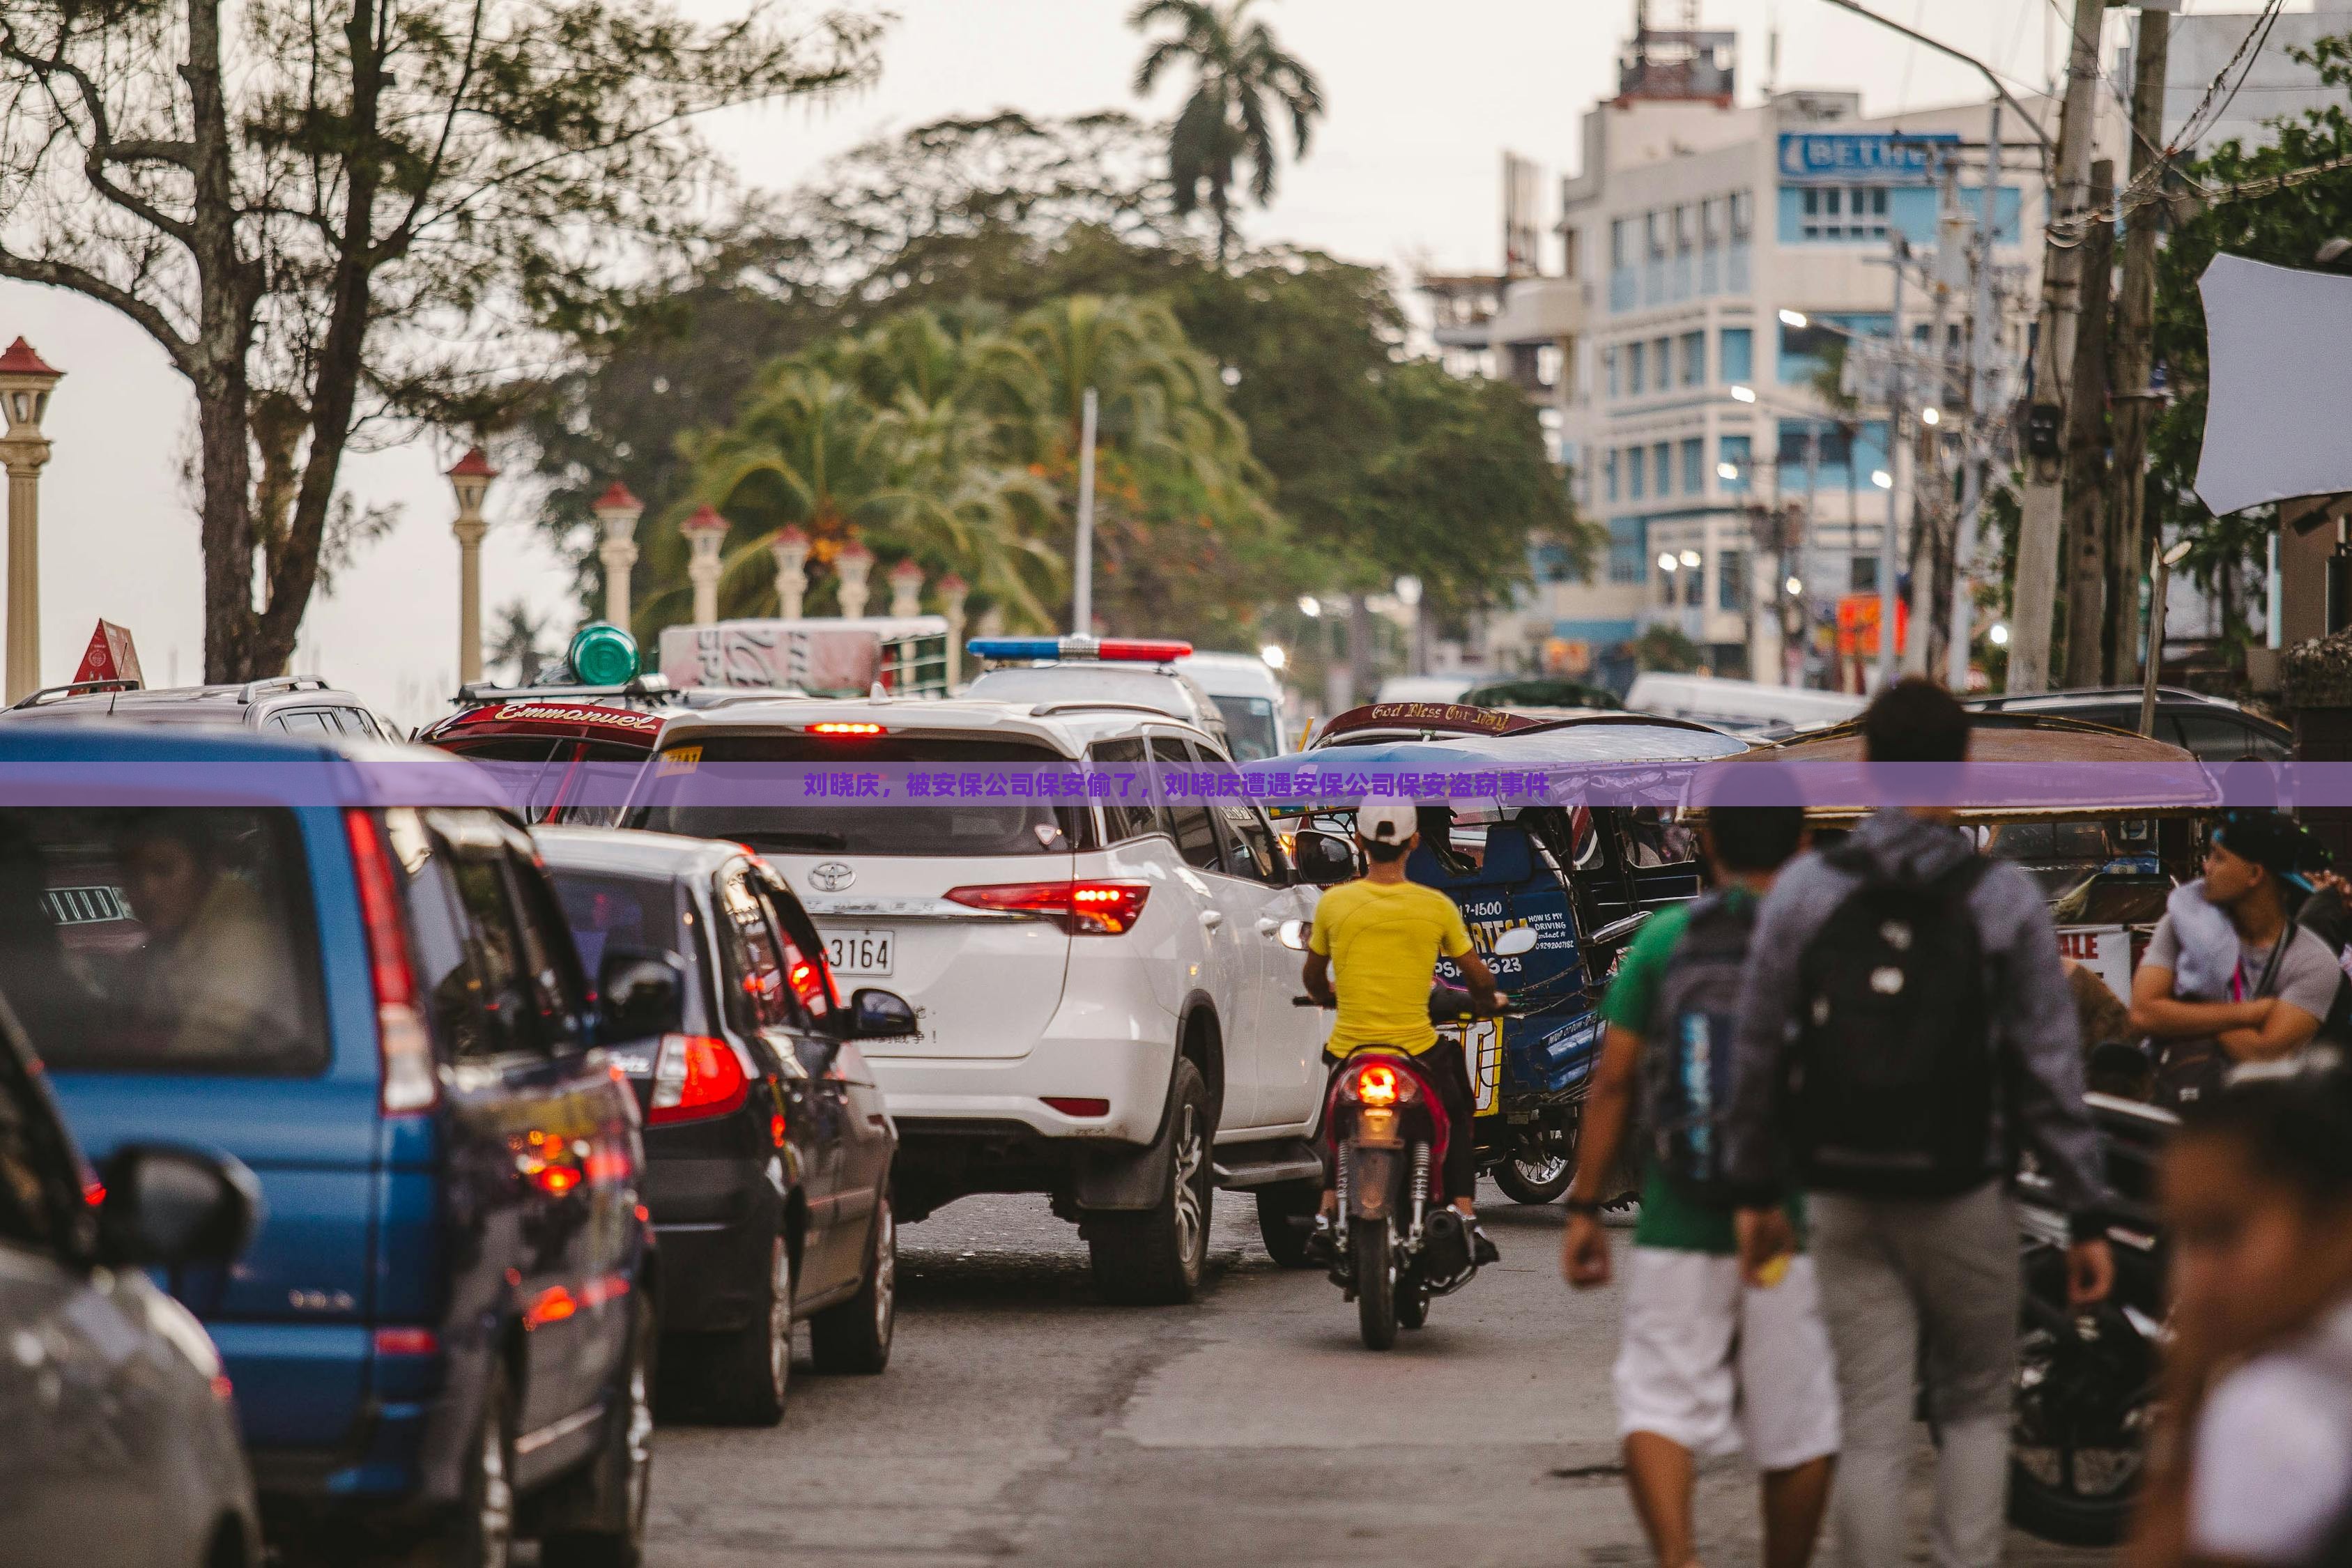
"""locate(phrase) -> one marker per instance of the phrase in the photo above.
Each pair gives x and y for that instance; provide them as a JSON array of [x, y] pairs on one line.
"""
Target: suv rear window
[[676, 799], [161, 940], [608, 912]]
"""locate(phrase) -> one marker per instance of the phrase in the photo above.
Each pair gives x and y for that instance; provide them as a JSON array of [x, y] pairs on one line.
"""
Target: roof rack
[[654, 684], [1101, 705], [38, 699], [269, 683]]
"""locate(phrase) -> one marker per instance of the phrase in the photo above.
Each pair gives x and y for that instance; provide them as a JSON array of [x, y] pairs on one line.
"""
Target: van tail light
[[1082, 909], [696, 1075], [410, 1084], [407, 1342]]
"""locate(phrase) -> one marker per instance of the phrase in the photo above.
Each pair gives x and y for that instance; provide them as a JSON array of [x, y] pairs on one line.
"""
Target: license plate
[[860, 953]]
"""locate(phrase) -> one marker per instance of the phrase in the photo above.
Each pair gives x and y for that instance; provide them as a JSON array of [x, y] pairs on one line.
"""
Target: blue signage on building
[[1850, 157]]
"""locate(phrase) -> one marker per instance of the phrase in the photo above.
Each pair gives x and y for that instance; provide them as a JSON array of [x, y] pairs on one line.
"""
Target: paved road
[[1023, 1421]]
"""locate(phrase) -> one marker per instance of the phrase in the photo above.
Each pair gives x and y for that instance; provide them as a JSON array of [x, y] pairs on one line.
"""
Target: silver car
[[118, 1435]]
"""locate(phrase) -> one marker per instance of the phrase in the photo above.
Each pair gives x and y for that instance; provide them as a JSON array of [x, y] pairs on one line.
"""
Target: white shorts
[[1712, 1364]]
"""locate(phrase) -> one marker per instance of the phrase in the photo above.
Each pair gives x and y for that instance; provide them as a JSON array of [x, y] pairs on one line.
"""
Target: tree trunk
[[2085, 481]]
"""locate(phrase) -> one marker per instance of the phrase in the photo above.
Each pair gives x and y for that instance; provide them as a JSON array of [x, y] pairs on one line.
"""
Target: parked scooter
[[2087, 1382], [1385, 1132]]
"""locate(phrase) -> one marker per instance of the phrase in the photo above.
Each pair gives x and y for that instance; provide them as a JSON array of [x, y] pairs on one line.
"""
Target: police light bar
[[1138, 650]]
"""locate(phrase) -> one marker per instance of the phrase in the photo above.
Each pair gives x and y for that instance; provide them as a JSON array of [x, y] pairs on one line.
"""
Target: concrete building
[[1684, 402], [2275, 84]]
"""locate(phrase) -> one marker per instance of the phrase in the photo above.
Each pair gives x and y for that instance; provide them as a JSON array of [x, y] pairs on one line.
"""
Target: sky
[[1425, 97]]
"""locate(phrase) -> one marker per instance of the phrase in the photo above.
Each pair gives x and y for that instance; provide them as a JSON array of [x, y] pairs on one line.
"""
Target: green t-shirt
[[1671, 1217]]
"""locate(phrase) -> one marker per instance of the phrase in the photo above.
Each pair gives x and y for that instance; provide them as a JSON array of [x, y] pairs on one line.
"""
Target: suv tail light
[[696, 1075], [410, 1084], [1082, 909]]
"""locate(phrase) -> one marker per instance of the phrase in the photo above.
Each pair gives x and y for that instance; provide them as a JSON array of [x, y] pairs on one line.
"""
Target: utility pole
[[2135, 347], [2085, 509], [1888, 619], [2036, 592], [1984, 334], [1082, 579]]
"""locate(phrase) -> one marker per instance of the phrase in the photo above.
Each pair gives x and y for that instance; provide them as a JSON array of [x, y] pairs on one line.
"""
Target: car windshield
[[684, 793], [161, 940], [1250, 729]]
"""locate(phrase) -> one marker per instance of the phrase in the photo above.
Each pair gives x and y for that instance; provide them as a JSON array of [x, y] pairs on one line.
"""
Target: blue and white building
[[1680, 394]]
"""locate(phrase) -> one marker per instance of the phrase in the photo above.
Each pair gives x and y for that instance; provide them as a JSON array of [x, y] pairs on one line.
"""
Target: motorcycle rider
[[1373, 955]]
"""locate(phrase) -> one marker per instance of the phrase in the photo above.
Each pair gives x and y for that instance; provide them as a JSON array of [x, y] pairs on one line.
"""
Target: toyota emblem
[[831, 877]]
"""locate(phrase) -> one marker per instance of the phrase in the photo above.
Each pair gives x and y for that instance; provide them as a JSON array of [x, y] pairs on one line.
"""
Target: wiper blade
[[808, 840]]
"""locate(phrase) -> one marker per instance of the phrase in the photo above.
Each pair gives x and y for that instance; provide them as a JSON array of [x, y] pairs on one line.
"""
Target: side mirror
[[1323, 858], [879, 1015], [643, 995], [172, 1207], [1293, 934], [1517, 940]]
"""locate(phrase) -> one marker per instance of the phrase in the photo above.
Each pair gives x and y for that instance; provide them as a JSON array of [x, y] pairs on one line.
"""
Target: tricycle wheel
[[1535, 1173]]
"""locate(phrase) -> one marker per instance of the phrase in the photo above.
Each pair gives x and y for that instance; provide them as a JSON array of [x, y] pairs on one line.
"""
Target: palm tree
[[514, 641], [1237, 66]]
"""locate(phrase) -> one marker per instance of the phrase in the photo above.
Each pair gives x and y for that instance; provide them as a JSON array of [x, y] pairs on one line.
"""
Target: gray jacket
[[2032, 1014]]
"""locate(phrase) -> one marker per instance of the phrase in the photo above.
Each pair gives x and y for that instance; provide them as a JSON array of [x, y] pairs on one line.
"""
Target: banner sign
[[1846, 157]]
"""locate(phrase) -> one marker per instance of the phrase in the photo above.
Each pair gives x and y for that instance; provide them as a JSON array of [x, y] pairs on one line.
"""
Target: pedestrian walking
[[2231, 975], [2258, 1360], [1707, 1363], [1905, 1028]]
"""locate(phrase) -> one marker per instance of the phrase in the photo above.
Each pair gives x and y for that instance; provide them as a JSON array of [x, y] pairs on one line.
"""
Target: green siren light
[[602, 654]]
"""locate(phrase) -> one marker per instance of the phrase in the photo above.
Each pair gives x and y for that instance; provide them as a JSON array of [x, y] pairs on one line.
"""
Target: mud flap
[[1123, 1176]]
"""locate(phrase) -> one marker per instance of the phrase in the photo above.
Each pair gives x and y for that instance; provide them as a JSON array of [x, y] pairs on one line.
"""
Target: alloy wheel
[[779, 1317], [885, 1272], [1543, 1171], [1191, 1156]]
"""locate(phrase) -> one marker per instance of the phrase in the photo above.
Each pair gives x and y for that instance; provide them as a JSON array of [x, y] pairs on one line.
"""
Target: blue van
[[342, 963]]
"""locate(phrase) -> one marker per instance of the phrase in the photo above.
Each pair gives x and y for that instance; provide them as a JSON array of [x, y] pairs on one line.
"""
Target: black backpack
[[1891, 1081], [1687, 1065]]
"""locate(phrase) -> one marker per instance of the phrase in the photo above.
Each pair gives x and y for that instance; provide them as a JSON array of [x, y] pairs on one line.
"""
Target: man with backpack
[[1706, 1361], [1906, 1033]]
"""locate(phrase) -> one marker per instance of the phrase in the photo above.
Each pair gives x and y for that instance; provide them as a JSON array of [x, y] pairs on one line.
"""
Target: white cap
[[1386, 819]]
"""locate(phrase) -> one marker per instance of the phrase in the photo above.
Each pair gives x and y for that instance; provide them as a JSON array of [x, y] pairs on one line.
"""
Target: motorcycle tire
[[1535, 1182], [2063, 1519], [1376, 1283]]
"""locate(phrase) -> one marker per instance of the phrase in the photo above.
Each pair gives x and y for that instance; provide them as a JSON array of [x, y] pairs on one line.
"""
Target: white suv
[[1104, 994]]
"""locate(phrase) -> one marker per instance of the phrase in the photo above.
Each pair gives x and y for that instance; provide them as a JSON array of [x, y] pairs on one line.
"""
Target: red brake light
[[696, 1075], [1376, 1084], [844, 729], [1082, 909], [407, 1342], [410, 1083]]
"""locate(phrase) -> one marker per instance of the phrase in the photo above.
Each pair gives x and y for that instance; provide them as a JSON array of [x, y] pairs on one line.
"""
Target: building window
[[1620, 244], [1737, 352], [1637, 473], [1629, 550], [1730, 580], [1693, 467], [1654, 233], [1842, 212], [1805, 350], [1743, 214], [1736, 452], [1694, 359], [1609, 473], [1636, 356], [1547, 362], [1662, 355], [1663, 458], [1609, 370]]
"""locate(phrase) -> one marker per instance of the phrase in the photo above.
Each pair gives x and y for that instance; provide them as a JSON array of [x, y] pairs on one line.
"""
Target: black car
[[2211, 727], [768, 1147], [121, 1442], [301, 705]]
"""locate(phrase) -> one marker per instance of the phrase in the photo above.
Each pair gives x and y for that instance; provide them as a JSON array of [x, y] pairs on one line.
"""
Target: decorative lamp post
[[953, 591], [617, 512], [907, 588], [854, 563], [705, 531], [791, 549], [470, 479], [24, 383]]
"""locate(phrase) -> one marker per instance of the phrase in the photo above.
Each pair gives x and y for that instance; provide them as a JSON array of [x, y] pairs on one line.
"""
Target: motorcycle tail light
[[696, 1075], [1082, 909], [1380, 1084]]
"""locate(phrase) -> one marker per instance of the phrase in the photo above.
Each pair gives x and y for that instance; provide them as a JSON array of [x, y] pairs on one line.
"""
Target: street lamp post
[[854, 563], [617, 512], [24, 383], [953, 591], [470, 479], [705, 533], [791, 549]]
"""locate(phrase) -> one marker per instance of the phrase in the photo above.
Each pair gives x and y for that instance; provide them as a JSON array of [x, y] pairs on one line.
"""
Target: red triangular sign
[[110, 657]]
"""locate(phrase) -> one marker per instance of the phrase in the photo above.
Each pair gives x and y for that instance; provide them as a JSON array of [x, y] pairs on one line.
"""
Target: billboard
[[1861, 158]]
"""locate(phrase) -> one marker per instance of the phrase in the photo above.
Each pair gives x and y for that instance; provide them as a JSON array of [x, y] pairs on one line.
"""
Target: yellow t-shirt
[[1384, 939]]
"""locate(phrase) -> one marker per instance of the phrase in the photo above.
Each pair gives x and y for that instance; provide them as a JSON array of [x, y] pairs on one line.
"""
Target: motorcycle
[[1385, 1132], [2087, 1382]]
